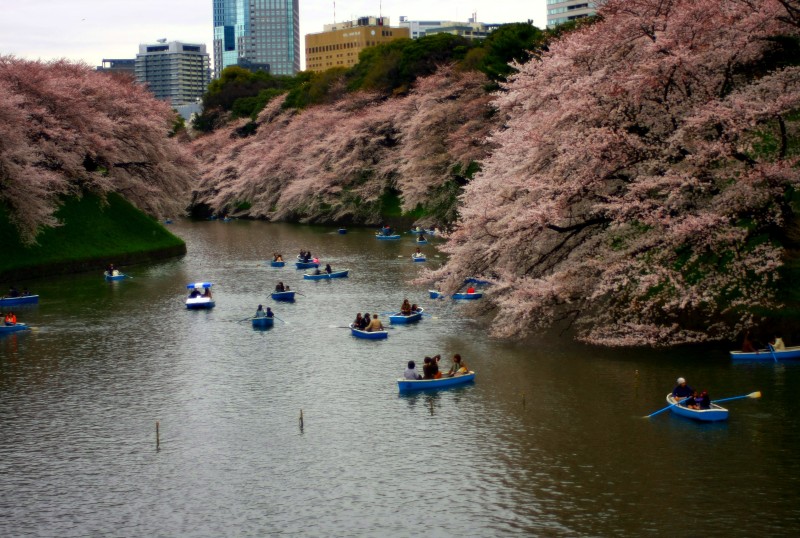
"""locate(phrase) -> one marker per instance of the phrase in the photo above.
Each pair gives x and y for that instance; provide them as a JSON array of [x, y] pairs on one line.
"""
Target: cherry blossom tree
[[69, 130], [640, 190]]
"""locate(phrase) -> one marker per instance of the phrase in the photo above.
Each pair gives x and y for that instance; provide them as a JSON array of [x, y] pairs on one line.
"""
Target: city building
[[175, 71], [264, 34], [472, 29], [340, 44], [561, 11], [118, 66]]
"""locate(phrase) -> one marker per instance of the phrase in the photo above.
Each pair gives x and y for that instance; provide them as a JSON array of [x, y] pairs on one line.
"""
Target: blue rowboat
[[406, 385], [766, 354], [435, 294], [342, 231], [468, 296], [420, 231], [200, 302], [418, 258], [387, 237], [227, 219], [374, 335], [8, 329], [323, 276], [421, 241], [14, 301], [283, 295], [306, 265], [263, 323], [277, 264], [411, 318], [119, 276], [714, 414]]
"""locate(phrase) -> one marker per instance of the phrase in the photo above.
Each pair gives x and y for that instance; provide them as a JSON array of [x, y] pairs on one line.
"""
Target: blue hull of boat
[[120, 276], [387, 237], [263, 323], [434, 294], [342, 231], [283, 295], [766, 355], [8, 329], [324, 276], [467, 296], [306, 265], [407, 385], [200, 306], [14, 301], [423, 242], [401, 319], [277, 264], [419, 258], [715, 414], [376, 335]]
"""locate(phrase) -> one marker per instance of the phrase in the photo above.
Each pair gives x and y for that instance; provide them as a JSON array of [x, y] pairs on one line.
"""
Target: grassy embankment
[[93, 234]]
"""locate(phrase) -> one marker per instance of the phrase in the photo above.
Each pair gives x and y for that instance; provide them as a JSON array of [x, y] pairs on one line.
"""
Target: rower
[[471, 289], [682, 390], [10, 319], [406, 308], [375, 324], [280, 287], [260, 312], [328, 268]]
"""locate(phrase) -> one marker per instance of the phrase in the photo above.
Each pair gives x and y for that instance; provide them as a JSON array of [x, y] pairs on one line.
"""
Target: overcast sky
[[91, 30]]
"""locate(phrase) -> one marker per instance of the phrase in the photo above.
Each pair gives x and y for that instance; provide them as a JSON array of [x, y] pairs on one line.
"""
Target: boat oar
[[756, 394], [668, 407], [245, 319], [772, 352], [279, 319]]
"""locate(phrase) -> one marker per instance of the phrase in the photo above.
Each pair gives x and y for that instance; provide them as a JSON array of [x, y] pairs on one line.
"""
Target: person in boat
[[418, 253], [358, 321], [260, 312], [414, 308], [375, 324], [427, 369], [317, 271], [26, 292], [10, 319], [777, 343], [328, 268], [691, 401], [458, 367], [270, 313], [207, 293], [747, 345], [406, 308], [421, 238], [682, 390], [277, 257], [435, 367], [471, 289], [13, 292], [280, 287], [307, 257], [703, 401], [194, 293], [386, 230], [411, 372], [365, 321]]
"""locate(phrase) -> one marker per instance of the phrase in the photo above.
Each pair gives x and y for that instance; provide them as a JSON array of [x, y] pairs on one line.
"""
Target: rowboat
[[418, 257], [283, 295], [468, 296], [419, 231], [766, 354], [421, 241], [23, 299], [8, 329], [434, 294], [706, 415], [306, 265], [118, 276], [342, 231], [411, 318], [386, 237], [323, 276], [478, 281], [277, 264], [410, 384], [199, 302], [263, 322], [374, 335]]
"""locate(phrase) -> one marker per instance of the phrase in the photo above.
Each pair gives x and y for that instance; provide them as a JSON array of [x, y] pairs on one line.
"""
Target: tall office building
[[174, 71], [561, 11], [340, 43], [257, 32]]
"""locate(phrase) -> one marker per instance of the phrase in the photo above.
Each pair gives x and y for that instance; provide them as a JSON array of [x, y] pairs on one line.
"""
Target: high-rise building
[[174, 71], [472, 29], [122, 66], [340, 43], [561, 11], [257, 32]]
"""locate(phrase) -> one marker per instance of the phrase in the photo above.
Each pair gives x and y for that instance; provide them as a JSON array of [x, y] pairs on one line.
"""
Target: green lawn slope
[[93, 234]]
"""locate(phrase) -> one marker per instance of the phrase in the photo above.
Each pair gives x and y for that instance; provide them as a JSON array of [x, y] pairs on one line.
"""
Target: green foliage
[[178, 125], [315, 88], [510, 42], [245, 107], [91, 230]]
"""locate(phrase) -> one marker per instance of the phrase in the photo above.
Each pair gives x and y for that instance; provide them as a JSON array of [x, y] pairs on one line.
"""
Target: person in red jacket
[[11, 319]]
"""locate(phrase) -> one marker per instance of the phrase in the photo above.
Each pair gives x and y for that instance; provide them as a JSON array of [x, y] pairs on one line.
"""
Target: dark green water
[[549, 441]]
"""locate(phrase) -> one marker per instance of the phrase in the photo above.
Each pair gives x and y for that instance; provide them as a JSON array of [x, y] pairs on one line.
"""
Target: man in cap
[[682, 390]]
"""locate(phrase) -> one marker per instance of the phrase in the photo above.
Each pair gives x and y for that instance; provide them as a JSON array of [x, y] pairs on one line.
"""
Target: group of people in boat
[[386, 230], [13, 293], [327, 269], [277, 257], [280, 288], [10, 318], [776, 343], [195, 293], [111, 270], [260, 313], [305, 257], [689, 397], [408, 309], [430, 368], [367, 323]]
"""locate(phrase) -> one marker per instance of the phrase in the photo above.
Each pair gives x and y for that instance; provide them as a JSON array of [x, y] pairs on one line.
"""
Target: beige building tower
[[340, 43]]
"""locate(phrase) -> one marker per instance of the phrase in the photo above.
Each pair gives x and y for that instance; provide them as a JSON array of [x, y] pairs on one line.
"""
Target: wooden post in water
[[301, 420], [158, 437]]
